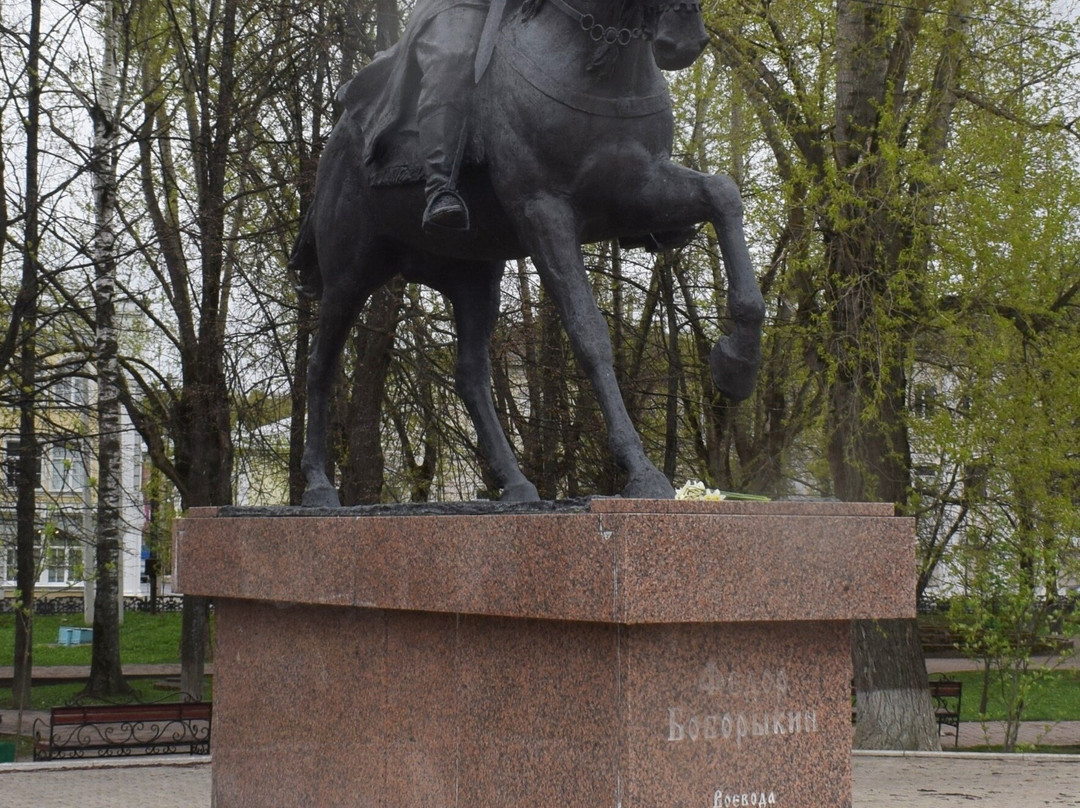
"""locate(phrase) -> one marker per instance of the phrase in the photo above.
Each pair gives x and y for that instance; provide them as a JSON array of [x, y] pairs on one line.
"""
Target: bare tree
[[27, 462]]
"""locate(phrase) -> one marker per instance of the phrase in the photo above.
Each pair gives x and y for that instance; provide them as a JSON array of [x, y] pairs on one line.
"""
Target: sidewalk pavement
[[954, 664], [52, 674], [880, 780], [175, 782], [936, 779]]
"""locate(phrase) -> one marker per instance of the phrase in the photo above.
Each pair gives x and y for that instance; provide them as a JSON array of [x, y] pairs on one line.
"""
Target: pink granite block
[[298, 697], [636, 655], [708, 563], [680, 567], [742, 708], [735, 507], [542, 564], [421, 709], [539, 712], [409, 709], [544, 680], [538, 565]]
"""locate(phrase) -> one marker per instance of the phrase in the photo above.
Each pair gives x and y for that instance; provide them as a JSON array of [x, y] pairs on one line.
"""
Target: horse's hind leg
[[548, 229], [473, 291], [337, 311], [679, 197]]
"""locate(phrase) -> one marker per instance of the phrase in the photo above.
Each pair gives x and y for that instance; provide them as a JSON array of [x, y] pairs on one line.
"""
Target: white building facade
[[66, 497]]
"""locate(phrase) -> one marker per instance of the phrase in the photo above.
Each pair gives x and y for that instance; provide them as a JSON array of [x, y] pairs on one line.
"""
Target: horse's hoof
[[323, 496], [520, 492], [733, 376], [649, 485]]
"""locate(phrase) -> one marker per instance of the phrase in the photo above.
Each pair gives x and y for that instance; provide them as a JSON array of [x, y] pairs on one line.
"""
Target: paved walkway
[[174, 783], [953, 664], [51, 674], [933, 780], [879, 781]]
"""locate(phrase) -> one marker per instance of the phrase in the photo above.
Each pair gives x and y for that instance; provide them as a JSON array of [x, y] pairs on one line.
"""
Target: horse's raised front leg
[[474, 294], [336, 315], [548, 229], [679, 197]]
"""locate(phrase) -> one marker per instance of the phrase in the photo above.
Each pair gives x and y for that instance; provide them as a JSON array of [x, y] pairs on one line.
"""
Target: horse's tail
[[304, 260]]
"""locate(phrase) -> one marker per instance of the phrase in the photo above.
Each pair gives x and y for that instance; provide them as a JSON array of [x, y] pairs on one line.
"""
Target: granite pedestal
[[632, 654]]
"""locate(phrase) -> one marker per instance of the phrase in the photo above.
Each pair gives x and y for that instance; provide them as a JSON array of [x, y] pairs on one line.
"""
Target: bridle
[[609, 34], [598, 32]]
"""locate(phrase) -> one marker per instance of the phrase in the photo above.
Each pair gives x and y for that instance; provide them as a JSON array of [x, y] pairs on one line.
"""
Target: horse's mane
[[529, 8], [631, 14]]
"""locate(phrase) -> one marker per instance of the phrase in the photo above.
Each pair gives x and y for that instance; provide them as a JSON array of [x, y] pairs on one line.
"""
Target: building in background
[[66, 495]]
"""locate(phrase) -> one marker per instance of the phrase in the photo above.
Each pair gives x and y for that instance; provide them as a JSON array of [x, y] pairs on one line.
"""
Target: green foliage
[[1005, 622]]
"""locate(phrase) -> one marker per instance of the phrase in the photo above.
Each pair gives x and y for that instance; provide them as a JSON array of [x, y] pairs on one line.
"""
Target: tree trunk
[[867, 446], [28, 468], [204, 457], [664, 262], [106, 673], [892, 693], [364, 462]]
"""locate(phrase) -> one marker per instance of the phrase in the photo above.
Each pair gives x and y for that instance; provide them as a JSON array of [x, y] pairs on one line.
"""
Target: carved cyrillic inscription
[[684, 726], [742, 683], [754, 799], [771, 714]]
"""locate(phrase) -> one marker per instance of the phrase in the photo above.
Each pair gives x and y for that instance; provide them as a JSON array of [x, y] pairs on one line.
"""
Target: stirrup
[[446, 210]]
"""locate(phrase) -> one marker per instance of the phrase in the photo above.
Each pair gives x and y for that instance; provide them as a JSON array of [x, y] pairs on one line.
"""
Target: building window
[[69, 391], [58, 551], [7, 548], [12, 453], [924, 400], [67, 469], [63, 560], [11, 463]]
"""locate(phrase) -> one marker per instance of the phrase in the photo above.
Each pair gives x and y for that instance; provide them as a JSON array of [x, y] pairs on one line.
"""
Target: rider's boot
[[442, 142]]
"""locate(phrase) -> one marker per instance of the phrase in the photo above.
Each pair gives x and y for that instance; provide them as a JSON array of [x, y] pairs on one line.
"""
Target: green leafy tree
[[1011, 316]]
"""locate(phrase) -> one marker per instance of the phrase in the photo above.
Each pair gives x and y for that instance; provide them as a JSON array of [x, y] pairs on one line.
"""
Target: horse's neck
[[556, 38]]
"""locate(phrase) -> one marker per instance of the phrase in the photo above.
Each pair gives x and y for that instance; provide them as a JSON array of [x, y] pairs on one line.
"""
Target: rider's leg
[[445, 52]]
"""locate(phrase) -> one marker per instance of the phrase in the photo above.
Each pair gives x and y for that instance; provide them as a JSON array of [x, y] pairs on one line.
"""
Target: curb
[[1048, 757], [75, 764]]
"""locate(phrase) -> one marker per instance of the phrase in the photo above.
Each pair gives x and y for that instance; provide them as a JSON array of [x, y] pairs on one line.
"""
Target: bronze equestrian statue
[[566, 140]]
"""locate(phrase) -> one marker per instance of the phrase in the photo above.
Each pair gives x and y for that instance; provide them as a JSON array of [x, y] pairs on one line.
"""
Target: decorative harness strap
[[611, 35], [598, 32]]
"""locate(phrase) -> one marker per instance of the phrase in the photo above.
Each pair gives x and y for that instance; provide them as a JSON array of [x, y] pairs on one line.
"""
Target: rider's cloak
[[381, 98]]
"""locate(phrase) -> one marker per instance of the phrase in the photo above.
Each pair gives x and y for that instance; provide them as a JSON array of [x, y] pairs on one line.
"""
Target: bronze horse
[[569, 155]]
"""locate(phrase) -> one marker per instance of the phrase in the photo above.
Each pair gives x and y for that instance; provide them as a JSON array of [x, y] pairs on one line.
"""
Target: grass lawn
[[144, 638], [43, 697], [1056, 697]]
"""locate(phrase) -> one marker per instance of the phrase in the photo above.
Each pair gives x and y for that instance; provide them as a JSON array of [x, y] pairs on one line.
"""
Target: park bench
[[124, 729], [946, 695]]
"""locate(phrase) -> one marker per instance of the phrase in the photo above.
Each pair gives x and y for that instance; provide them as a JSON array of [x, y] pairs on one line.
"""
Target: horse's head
[[679, 36]]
